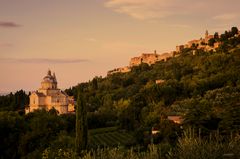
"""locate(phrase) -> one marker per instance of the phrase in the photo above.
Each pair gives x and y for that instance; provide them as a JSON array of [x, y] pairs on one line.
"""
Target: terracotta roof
[[176, 119]]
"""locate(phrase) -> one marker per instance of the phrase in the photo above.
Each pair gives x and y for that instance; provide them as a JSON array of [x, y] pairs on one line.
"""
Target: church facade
[[49, 96]]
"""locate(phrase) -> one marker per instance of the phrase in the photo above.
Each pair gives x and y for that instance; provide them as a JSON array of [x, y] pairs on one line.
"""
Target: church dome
[[50, 78], [49, 81]]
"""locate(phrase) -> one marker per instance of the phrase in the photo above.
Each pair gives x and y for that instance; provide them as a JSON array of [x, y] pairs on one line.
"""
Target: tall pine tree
[[81, 125]]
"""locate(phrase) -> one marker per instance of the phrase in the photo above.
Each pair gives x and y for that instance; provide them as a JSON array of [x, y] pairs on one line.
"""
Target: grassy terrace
[[110, 136]]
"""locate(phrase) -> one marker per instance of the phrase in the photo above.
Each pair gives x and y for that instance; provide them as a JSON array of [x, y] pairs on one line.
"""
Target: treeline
[[14, 101], [29, 135]]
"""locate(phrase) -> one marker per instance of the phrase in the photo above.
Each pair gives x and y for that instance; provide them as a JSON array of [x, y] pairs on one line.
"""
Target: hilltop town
[[207, 44], [149, 58]]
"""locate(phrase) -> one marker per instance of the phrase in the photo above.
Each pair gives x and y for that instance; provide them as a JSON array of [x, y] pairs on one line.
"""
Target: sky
[[81, 39]]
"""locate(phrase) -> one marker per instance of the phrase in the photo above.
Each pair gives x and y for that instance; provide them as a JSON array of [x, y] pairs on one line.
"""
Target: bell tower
[[206, 34], [54, 81]]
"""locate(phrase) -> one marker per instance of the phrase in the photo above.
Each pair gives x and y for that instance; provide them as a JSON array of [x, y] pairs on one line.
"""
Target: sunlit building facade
[[49, 96]]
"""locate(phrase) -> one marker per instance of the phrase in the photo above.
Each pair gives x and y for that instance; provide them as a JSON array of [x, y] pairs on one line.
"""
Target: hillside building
[[201, 43], [49, 96], [176, 119], [149, 58], [152, 58], [120, 70], [159, 81]]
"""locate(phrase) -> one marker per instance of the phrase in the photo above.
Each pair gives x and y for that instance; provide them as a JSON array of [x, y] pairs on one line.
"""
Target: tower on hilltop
[[206, 34]]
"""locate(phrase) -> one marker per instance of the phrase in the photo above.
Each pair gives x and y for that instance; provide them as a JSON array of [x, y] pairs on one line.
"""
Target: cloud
[[162, 9], [225, 17], [5, 24], [140, 9], [6, 45], [91, 39], [42, 60]]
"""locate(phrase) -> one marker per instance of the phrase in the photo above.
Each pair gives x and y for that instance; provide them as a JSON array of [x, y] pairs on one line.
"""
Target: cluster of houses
[[201, 43], [152, 58], [148, 58]]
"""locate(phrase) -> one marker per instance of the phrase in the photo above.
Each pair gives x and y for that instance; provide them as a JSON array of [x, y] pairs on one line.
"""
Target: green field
[[109, 137]]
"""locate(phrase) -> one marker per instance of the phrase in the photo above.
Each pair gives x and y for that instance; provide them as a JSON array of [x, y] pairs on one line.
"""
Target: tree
[[234, 30], [95, 83], [11, 128], [14, 102], [41, 129], [216, 35], [211, 42], [81, 126], [194, 46], [224, 37]]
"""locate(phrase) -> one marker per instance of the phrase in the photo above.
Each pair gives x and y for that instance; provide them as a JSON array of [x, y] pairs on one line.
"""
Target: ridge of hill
[[201, 86], [208, 43]]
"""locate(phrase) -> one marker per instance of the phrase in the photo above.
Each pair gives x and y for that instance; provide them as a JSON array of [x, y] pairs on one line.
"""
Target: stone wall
[[149, 58]]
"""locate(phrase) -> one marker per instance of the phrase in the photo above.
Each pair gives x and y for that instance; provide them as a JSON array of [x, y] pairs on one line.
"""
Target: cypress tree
[[81, 126]]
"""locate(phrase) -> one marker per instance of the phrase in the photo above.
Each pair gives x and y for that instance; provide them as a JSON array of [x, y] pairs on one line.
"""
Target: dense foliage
[[81, 126], [202, 87], [27, 136], [188, 147], [14, 101]]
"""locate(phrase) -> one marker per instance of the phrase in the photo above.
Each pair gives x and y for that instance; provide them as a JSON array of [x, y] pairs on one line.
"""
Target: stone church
[[49, 96]]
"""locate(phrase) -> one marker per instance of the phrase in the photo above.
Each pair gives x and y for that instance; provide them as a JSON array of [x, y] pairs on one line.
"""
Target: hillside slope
[[203, 87]]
